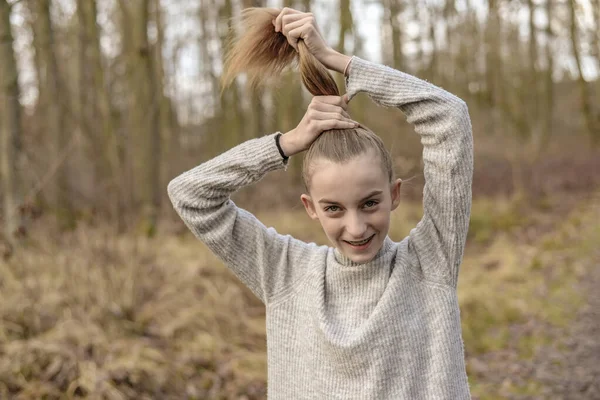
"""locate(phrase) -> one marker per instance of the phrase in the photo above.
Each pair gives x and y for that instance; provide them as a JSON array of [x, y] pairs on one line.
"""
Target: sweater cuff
[[271, 156], [359, 66]]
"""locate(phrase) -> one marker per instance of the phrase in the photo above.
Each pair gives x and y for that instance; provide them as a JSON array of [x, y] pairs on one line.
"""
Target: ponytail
[[256, 49]]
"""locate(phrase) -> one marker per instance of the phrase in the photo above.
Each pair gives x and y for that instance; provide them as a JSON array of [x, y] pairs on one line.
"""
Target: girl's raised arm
[[442, 120], [263, 260]]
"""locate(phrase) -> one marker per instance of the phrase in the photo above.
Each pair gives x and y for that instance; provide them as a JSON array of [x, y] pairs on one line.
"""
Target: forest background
[[104, 292]]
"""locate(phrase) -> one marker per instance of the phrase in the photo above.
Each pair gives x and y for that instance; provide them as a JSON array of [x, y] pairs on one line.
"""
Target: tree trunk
[[493, 61], [533, 95], [151, 136], [432, 65], [86, 105], [108, 169], [10, 131], [588, 112], [394, 8], [596, 18], [449, 12], [54, 102], [596, 36], [205, 39], [168, 118], [549, 82]]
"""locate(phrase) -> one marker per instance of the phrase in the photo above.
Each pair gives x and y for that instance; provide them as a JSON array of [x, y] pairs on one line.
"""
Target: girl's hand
[[297, 25], [324, 113]]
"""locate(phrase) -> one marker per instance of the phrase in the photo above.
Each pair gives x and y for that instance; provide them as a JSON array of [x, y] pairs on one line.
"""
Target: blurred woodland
[[102, 103], [106, 120]]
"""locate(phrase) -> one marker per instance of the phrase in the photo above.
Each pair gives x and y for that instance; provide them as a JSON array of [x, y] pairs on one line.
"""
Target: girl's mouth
[[361, 244]]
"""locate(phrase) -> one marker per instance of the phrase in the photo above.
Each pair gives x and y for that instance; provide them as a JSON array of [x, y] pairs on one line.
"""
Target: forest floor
[[569, 368], [554, 352], [88, 313]]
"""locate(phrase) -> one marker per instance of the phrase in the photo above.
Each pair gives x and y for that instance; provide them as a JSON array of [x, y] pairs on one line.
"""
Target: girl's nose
[[356, 227]]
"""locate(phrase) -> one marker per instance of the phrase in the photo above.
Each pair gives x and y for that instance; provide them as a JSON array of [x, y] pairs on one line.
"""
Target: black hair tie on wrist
[[277, 137]]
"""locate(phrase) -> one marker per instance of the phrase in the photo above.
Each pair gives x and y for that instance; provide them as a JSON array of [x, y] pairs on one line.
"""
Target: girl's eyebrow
[[373, 193]]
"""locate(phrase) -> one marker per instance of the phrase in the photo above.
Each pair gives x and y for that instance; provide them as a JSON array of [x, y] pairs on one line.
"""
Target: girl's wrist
[[336, 61], [287, 145]]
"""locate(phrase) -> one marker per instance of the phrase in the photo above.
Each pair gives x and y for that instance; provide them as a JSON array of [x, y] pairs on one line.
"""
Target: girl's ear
[[309, 206], [395, 192]]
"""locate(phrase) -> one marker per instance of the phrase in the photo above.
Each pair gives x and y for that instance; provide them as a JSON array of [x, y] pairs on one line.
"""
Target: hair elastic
[[349, 61], [277, 137]]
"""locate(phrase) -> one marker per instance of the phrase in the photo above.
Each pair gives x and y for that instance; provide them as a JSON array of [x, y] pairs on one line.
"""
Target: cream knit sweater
[[388, 329]]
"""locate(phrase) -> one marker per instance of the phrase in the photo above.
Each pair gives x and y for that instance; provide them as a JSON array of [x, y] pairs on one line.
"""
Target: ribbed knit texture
[[387, 329]]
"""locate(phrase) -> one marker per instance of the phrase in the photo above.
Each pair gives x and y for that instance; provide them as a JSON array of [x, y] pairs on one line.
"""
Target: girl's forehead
[[350, 180]]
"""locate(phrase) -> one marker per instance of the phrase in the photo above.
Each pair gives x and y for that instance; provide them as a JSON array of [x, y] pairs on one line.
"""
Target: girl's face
[[353, 202]]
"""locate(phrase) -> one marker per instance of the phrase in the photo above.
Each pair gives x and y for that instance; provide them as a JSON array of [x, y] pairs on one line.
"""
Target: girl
[[368, 318]]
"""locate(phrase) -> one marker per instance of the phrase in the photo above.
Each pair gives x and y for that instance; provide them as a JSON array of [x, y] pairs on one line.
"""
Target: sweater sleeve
[[443, 123], [265, 261]]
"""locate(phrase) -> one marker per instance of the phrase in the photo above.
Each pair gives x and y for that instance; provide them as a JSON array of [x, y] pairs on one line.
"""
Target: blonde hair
[[256, 49]]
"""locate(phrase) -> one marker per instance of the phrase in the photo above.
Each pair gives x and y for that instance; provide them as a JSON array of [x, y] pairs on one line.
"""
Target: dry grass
[[88, 314]]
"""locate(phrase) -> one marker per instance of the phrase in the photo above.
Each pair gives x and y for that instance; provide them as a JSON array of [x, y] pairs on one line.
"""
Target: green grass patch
[[492, 216]]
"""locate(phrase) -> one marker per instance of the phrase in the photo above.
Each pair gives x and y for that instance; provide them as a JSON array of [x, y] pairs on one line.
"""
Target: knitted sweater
[[386, 329]]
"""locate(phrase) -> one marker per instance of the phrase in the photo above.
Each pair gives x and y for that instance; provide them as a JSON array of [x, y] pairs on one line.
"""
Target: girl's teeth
[[359, 243]]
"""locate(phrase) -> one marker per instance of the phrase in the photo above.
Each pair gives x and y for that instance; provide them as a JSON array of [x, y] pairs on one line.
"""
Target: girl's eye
[[332, 209], [370, 203]]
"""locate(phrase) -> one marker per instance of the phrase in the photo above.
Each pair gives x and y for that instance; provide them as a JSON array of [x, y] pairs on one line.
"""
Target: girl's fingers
[[328, 116], [279, 19], [335, 100], [335, 124], [326, 107], [321, 116], [288, 27], [294, 35], [291, 18]]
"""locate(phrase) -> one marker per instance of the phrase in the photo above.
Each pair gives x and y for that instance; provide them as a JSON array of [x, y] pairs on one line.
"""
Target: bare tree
[[596, 17], [549, 81], [98, 96], [588, 111], [204, 41], [596, 44], [493, 70], [533, 93], [153, 189], [54, 98], [432, 65], [392, 10], [449, 13], [10, 130], [168, 118], [143, 146]]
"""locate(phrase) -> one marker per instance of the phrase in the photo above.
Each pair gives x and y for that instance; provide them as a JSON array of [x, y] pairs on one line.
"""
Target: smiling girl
[[368, 318]]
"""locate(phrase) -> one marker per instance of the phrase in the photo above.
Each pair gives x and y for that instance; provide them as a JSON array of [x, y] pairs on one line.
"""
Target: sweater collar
[[346, 262]]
